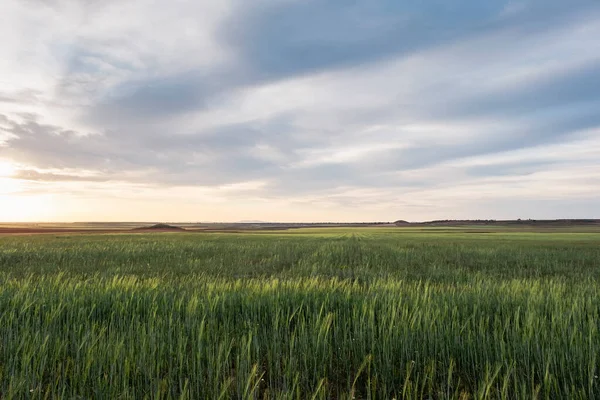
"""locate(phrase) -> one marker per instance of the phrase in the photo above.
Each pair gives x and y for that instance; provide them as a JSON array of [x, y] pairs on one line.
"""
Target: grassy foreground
[[365, 313]]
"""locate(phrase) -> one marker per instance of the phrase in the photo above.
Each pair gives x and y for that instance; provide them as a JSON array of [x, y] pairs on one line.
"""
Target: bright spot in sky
[[7, 169], [14, 207], [7, 184]]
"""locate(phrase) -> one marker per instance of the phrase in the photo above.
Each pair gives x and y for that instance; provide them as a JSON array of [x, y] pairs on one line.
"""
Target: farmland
[[308, 313]]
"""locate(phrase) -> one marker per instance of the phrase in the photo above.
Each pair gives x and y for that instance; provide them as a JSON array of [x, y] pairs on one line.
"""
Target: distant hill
[[160, 227]]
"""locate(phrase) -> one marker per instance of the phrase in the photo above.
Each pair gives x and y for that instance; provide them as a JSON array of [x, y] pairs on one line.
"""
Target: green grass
[[308, 313]]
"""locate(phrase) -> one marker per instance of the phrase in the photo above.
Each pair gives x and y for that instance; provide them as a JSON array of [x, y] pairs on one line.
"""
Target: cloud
[[33, 175], [375, 105], [292, 38]]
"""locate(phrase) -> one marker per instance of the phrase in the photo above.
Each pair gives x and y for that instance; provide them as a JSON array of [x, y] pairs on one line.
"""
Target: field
[[365, 313]]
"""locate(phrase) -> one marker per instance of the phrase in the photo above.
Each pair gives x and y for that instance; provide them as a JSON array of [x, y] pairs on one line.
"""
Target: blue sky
[[290, 110]]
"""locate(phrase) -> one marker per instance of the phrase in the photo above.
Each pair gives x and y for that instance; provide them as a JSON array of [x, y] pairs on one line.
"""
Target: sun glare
[[7, 184], [14, 206], [7, 169]]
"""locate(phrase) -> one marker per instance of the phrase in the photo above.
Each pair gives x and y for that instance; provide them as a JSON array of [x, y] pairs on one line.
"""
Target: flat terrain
[[464, 313], [546, 226]]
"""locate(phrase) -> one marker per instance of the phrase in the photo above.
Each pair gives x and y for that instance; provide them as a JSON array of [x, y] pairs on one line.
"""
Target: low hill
[[160, 227]]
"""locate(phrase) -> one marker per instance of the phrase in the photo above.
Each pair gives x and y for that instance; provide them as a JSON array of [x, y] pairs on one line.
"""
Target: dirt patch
[[41, 231], [34, 230]]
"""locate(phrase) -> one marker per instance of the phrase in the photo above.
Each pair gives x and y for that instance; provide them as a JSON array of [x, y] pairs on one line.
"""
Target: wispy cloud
[[370, 110]]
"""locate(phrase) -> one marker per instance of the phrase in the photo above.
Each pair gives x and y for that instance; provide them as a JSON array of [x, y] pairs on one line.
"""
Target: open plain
[[461, 313]]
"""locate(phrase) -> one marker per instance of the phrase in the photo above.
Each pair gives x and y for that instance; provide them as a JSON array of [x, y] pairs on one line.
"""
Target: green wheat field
[[366, 313]]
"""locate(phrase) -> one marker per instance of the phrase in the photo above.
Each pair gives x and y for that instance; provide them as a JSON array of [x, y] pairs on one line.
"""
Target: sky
[[299, 110]]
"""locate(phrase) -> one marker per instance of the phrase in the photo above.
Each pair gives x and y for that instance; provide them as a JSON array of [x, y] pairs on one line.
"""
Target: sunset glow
[[373, 112]]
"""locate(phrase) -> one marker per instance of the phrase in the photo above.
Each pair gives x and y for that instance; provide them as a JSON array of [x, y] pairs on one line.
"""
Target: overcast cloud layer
[[295, 110]]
